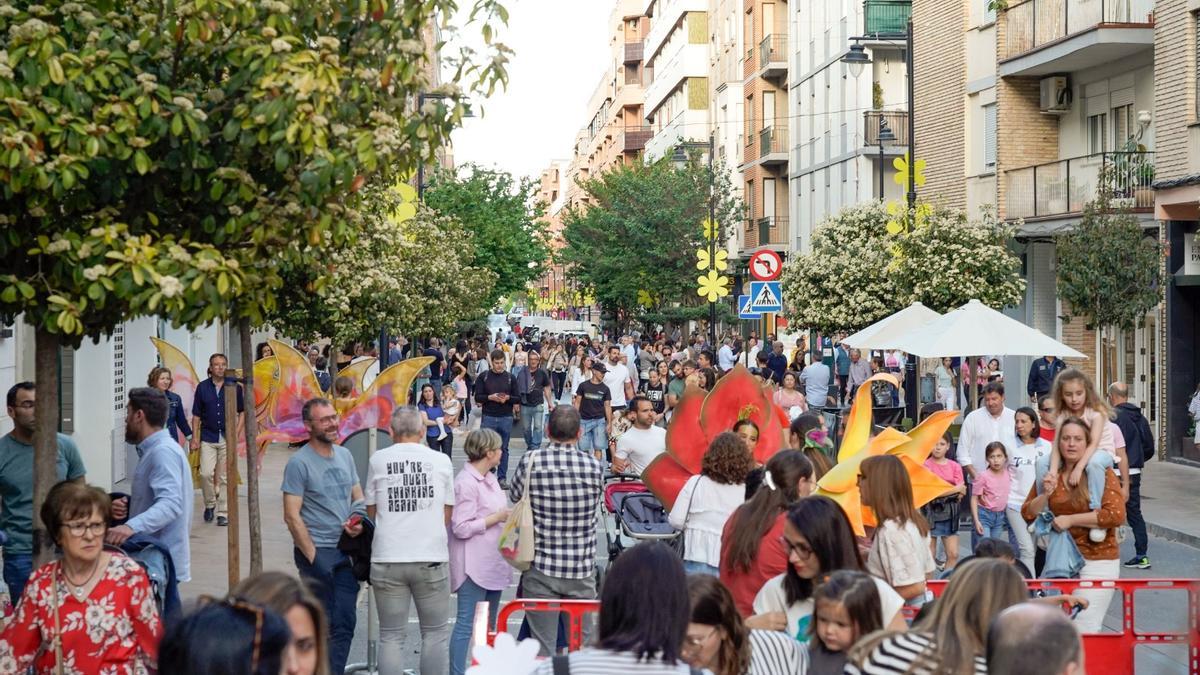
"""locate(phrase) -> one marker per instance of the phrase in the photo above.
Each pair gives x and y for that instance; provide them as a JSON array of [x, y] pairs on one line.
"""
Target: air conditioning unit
[[1056, 95]]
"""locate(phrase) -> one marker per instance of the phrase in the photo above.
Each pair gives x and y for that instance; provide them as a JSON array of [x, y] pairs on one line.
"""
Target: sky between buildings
[[561, 54]]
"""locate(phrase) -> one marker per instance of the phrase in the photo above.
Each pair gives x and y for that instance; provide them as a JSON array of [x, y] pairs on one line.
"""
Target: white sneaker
[[1097, 534], [442, 436]]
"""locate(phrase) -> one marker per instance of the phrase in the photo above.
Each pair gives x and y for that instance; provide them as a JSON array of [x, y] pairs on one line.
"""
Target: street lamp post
[[856, 59], [680, 157]]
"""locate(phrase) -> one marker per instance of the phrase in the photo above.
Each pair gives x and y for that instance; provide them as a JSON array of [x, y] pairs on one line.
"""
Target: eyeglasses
[[94, 529], [692, 642], [249, 608], [802, 550]]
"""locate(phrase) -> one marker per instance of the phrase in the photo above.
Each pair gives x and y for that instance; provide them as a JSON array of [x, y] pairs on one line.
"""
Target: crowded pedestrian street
[[651, 337]]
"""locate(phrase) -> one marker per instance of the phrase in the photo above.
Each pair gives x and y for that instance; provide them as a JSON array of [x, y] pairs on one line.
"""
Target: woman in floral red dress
[[99, 603]]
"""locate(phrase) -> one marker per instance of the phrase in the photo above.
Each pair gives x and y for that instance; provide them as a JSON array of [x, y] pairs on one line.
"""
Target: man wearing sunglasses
[[16, 484]]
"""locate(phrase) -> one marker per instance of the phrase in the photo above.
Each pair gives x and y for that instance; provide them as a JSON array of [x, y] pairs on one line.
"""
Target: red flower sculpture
[[697, 420]]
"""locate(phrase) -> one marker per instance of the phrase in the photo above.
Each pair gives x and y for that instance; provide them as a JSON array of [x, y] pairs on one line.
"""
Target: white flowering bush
[[857, 273], [843, 282], [948, 260]]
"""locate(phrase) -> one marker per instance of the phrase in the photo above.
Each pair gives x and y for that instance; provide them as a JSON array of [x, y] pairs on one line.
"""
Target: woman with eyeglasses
[[719, 641], [226, 637], [92, 611], [819, 541]]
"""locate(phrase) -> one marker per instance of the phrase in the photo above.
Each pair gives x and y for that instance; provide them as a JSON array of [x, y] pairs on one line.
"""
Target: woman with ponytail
[[752, 550]]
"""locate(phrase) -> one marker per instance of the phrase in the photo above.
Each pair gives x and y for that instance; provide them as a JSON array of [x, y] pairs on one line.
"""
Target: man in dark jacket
[[1041, 376], [1139, 446]]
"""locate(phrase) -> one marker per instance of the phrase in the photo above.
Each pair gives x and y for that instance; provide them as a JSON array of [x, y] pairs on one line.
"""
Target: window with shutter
[[66, 391], [989, 137]]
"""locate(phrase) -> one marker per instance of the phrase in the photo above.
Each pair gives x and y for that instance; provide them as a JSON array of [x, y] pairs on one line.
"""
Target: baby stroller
[[636, 514]]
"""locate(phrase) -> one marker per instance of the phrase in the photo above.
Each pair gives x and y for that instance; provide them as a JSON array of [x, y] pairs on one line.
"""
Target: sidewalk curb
[[1171, 534]]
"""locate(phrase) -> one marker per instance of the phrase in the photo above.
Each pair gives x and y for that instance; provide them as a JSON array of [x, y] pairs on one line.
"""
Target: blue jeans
[[17, 568], [469, 594], [334, 584], [1094, 474], [502, 426], [693, 567], [532, 423], [995, 523], [594, 437]]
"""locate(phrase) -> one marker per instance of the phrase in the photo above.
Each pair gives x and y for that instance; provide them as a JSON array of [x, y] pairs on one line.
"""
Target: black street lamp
[[856, 59], [680, 157]]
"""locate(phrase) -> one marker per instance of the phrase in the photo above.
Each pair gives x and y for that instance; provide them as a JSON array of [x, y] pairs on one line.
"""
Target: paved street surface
[[1168, 490]]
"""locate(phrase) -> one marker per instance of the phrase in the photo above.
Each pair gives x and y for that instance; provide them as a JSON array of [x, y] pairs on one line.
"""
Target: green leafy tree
[[214, 125], [400, 275], [1108, 268], [510, 237], [639, 236]]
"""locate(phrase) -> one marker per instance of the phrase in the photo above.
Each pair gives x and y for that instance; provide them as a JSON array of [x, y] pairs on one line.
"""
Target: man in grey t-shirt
[[320, 494], [815, 378]]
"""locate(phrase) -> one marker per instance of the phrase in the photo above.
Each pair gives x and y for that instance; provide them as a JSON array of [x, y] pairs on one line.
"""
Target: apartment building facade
[[677, 74], [1176, 79], [1033, 111], [726, 110], [838, 115]]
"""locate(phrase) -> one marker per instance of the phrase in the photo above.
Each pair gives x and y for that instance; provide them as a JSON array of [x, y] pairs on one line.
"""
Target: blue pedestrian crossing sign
[[743, 303], [765, 297]]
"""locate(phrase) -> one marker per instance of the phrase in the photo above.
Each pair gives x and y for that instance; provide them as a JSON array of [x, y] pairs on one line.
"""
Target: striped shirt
[[604, 662], [776, 653], [565, 485], [895, 655]]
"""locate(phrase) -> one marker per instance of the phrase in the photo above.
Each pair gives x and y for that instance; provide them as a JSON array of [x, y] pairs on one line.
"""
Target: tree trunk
[[233, 542], [252, 503], [45, 437]]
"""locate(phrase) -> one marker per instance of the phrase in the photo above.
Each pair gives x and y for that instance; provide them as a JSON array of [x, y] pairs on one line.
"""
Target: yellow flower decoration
[[712, 286], [898, 212], [408, 206], [901, 175], [645, 299], [703, 262], [711, 229]]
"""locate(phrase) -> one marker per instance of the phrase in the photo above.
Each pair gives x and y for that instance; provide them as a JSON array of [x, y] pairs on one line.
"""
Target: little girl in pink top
[[989, 493]]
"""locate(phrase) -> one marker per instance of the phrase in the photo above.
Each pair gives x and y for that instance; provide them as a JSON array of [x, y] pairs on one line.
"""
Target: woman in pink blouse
[[477, 571], [97, 606]]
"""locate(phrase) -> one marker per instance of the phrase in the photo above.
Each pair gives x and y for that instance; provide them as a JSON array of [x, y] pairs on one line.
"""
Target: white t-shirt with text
[[410, 485]]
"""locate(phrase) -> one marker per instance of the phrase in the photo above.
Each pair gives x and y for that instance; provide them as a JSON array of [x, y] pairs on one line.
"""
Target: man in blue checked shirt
[[564, 484]]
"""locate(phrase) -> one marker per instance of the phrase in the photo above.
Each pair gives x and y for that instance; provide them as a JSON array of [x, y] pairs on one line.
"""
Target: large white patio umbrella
[[975, 329], [883, 333]]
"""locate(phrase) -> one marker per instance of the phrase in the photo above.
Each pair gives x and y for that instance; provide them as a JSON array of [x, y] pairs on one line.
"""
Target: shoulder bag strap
[[562, 664], [58, 651]]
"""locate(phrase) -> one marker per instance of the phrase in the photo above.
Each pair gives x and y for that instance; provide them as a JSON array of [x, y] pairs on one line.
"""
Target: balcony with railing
[[773, 146], [634, 138], [1059, 36], [896, 120], [769, 231], [634, 51], [772, 57], [886, 17], [1064, 187]]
